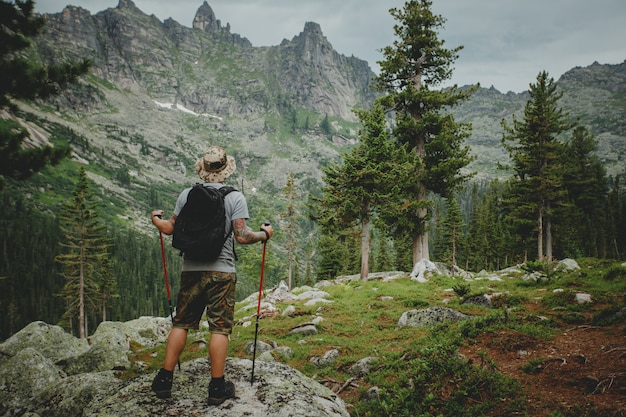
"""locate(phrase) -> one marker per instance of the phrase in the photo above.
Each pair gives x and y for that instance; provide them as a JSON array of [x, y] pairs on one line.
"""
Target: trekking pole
[[258, 308], [167, 282]]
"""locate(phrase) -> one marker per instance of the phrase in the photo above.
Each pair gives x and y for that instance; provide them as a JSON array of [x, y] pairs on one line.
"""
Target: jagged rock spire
[[205, 19], [126, 4]]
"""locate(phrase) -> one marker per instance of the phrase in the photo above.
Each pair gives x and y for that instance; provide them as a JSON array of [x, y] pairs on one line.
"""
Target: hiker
[[209, 284]]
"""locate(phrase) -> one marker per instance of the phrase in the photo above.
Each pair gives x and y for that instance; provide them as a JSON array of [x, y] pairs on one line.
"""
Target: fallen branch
[[346, 385]]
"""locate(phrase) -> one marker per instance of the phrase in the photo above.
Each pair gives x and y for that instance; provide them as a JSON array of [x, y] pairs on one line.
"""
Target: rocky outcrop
[[47, 372]]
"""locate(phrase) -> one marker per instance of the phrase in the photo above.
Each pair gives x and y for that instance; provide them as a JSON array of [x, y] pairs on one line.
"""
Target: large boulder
[[36, 384], [430, 316], [23, 378], [49, 340], [278, 390]]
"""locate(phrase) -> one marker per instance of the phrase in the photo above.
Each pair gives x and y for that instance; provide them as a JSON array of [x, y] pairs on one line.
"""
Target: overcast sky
[[506, 42]]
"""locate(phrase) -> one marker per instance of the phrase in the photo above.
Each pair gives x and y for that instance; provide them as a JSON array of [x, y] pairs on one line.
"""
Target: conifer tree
[[536, 154], [23, 79], [452, 231], [85, 254], [362, 181], [587, 187], [414, 66]]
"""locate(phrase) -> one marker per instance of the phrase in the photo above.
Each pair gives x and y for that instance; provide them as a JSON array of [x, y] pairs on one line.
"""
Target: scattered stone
[[483, 300], [304, 329], [362, 367], [567, 265], [582, 298], [328, 358], [289, 311], [260, 347], [430, 316]]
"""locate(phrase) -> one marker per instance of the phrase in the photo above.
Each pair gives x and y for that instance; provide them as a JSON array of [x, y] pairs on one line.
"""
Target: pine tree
[[415, 65], [452, 231], [587, 187], [22, 79], [536, 155], [363, 180], [85, 254]]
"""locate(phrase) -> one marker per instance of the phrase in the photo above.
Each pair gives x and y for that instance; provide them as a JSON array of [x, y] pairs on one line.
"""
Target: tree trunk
[[420, 248], [365, 246], [81, 293], [540, 234], [548, 237]]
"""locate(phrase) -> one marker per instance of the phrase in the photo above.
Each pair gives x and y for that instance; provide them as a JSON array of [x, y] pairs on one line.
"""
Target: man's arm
[[165, 226], [245, 236]]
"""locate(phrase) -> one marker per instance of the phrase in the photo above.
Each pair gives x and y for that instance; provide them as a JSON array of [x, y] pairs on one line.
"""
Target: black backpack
[[200, 227]]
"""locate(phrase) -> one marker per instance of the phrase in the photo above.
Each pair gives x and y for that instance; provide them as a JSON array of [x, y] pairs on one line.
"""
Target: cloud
[[506, 42]]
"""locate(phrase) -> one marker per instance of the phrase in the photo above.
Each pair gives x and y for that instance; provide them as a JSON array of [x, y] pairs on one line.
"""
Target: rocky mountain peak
[[206, 20], [127, 4], [312, 38]]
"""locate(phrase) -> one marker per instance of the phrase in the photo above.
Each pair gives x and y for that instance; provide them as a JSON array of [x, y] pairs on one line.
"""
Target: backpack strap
[[225, 190]]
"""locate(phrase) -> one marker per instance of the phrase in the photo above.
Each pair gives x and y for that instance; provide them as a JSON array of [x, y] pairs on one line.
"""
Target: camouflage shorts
[[213, 290]]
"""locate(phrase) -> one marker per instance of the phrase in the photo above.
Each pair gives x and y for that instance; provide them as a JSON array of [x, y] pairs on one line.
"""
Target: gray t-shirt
[[236, 207]]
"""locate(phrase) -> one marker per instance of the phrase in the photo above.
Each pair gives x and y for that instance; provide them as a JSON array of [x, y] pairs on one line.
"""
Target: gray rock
[[32, 385], [304, 329], [278, 390], [567, 265], [69, 396], [50, 341], [260, 347], [362, 367], [483, 300], [328, 358], [430, 316], [583, 298], [23, 378], [289, 311], [423, 270]]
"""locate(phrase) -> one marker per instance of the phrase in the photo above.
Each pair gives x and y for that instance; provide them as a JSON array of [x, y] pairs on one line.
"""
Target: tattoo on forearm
[[243, 233]]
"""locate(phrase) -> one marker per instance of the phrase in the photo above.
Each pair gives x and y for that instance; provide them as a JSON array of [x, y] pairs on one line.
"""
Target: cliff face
[[206, 67]]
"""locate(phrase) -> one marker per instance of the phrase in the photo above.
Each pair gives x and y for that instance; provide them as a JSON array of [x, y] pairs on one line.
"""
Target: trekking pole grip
[[267, 235]]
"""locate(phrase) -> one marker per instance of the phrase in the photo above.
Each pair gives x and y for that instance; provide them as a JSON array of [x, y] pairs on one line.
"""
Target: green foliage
[[431, 379], [85, 258], [22, 79], [537, 157], [413, 67], [461, 289]]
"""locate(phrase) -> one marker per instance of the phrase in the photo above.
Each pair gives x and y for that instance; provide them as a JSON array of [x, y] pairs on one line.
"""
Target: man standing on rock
[[209, 284]]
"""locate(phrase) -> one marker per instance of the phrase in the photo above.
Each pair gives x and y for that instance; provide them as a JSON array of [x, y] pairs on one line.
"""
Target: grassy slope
[[419, 370]]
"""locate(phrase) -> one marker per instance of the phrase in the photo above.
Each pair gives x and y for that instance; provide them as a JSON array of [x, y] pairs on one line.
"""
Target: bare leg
[[218, 351], [175, 346]]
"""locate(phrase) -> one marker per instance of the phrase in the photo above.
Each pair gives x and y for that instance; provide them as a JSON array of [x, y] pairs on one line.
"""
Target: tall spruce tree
[[85, 255], [537, 157], [362, 181], [414, 66], [452, 231], [586, 183]]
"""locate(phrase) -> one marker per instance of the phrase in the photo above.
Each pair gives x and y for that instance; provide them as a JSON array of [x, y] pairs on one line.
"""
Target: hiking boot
[[218, 395], [162, 383]]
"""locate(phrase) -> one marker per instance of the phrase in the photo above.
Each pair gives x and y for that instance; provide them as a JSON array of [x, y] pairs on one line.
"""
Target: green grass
[[418, 371]]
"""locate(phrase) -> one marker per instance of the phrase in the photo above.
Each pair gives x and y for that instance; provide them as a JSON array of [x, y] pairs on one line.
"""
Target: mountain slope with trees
[[158, 93]]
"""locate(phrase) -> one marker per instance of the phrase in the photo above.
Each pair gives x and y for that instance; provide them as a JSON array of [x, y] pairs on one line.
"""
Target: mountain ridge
[[268, 102]]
